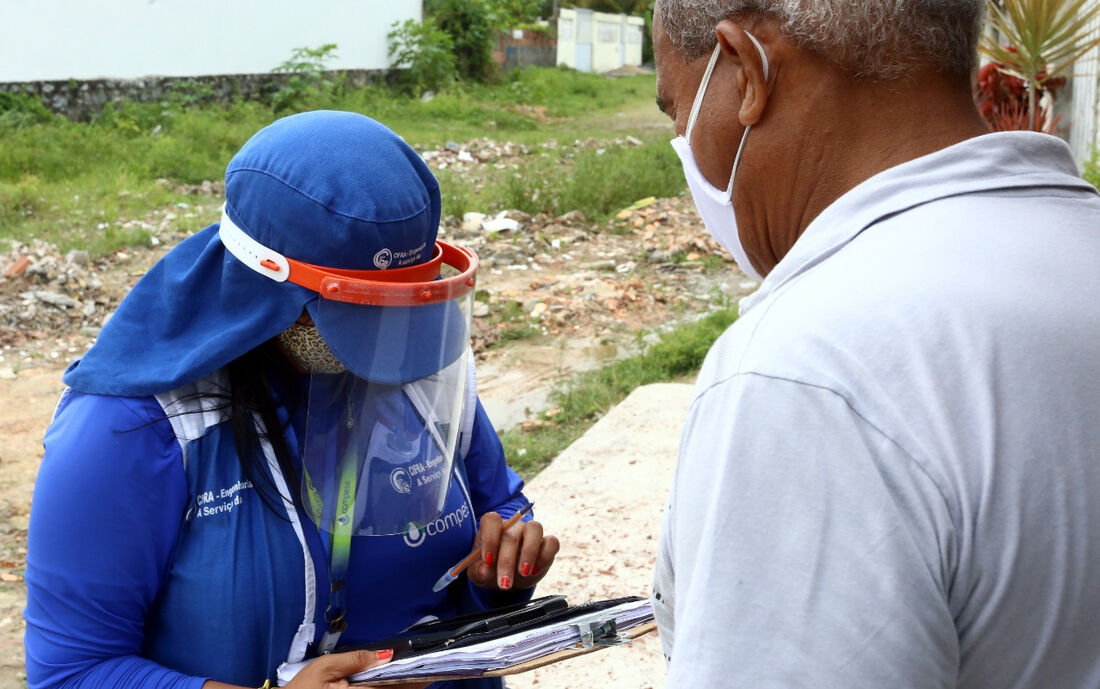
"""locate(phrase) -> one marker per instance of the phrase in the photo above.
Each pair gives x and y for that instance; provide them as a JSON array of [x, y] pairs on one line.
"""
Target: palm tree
[[1043, 38]]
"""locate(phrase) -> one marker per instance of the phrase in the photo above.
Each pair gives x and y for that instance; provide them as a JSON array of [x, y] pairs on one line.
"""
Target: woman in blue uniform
[[275, 447]]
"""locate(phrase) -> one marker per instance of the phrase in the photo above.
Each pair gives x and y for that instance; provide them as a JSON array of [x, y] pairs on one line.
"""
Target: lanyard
[[344, 524], [339, 540]]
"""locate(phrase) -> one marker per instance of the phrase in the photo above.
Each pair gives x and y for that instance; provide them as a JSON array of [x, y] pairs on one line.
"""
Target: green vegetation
[[580, 402], [76, 183], [597, 182], [1039, 41], [514, 323], [308, 78], [1092, 169], [472, 26], [427, 54]]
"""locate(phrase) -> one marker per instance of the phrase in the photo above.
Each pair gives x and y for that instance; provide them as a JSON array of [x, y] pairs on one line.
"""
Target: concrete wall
[[48, 40], [82, 100], [523, 48], [599, 42]]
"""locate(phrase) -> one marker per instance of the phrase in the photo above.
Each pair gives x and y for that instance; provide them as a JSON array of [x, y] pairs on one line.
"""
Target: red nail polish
[[385, 654], [489, 557], [505, 583], [536, 572], [525, 570]]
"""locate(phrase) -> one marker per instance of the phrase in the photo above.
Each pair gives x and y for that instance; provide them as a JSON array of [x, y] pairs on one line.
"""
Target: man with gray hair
[[888, 477]]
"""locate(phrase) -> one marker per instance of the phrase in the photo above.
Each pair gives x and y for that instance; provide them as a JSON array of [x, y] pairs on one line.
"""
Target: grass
[[72, 183], [597, 182], [581, 401], [513, 323], [75, 183]]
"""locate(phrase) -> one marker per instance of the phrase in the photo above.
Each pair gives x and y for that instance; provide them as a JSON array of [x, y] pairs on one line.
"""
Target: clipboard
[[468, 629], [628, 635], [594, 624], [502, 641]]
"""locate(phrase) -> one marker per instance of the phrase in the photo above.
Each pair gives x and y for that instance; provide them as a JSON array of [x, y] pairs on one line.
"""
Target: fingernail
[[505, 583], [536, 572], [489, 557], [385, 654], [525, 570]]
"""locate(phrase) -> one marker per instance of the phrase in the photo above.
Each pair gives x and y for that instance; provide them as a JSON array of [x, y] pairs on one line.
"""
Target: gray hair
[[875, 39]]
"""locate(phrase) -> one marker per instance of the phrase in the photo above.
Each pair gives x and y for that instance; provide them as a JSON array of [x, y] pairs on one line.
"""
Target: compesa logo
[[415, 534], [399, 479], [383, 259]]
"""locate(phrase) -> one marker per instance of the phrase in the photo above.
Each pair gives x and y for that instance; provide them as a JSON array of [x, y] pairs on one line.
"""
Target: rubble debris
[[17, 266], [541, 275]]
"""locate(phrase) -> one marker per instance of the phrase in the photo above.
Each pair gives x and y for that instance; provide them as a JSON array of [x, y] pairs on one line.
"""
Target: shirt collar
[[1005, 160]]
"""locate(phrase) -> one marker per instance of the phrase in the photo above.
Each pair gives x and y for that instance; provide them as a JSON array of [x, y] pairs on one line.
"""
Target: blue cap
[[334, 189]]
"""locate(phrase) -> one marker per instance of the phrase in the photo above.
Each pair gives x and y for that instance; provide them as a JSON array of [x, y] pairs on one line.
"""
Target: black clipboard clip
[[467, 629]]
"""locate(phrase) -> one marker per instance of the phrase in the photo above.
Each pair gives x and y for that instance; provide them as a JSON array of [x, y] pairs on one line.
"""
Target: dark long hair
[[249, 397], [253, 416]]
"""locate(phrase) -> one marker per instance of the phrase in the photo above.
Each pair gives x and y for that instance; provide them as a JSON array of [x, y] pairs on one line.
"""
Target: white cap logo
[[383, 259]]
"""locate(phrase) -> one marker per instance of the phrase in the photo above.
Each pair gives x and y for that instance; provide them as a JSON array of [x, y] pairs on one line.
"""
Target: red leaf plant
[[1003, 100]]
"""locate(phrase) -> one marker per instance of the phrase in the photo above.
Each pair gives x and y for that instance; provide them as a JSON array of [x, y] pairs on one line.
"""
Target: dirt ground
[[582, 296]]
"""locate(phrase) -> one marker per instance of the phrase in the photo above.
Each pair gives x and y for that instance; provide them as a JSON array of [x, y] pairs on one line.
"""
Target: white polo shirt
[[890, 475]]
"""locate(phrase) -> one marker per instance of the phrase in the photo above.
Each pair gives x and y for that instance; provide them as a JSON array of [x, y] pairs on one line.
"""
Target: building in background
[[52, 40], [526, 47], [598, 42]]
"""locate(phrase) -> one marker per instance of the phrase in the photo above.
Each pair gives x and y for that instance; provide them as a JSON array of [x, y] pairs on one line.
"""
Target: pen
[[452, 573]]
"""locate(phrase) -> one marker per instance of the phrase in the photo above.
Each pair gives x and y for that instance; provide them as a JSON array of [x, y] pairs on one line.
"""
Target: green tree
[[309, 77], [1043, 39], [508, 13], [470, 24], [425, 53]]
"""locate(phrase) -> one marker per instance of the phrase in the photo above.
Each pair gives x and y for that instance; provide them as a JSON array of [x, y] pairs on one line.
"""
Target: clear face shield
[[380, 437]]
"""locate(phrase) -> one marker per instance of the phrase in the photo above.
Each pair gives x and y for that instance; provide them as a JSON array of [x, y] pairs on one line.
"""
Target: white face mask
[[716, 205]]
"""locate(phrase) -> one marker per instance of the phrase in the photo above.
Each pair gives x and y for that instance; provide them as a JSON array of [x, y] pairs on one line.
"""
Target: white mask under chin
[[305, 346], [716, 205]]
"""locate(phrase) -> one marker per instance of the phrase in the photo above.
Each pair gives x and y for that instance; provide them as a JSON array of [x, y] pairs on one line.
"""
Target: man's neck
[[852, 130]]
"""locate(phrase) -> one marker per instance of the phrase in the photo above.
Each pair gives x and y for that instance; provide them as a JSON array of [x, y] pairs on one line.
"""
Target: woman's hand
[[332, 671], [514, 559]]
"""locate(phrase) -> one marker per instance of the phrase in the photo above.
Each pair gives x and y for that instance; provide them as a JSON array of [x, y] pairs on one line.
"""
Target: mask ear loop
[[698, 104], [745, 136]]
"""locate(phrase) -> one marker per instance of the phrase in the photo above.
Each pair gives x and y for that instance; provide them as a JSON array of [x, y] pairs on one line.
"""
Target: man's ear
[[751, 81]]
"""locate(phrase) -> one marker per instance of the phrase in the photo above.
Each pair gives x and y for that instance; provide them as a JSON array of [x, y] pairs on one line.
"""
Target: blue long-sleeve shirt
[[153, 561]]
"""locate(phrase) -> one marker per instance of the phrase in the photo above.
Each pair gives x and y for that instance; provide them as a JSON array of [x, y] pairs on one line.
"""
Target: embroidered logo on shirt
[[210, 503], [399, 479], [416, 533]]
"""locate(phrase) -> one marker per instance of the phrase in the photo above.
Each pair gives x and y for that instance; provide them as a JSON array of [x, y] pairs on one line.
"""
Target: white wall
[[567, 37], [61, 39], [607, 51], [634, 33], [597, 41]]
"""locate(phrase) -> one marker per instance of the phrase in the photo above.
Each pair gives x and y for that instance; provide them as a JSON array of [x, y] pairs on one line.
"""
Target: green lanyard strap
[[339, 544]]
